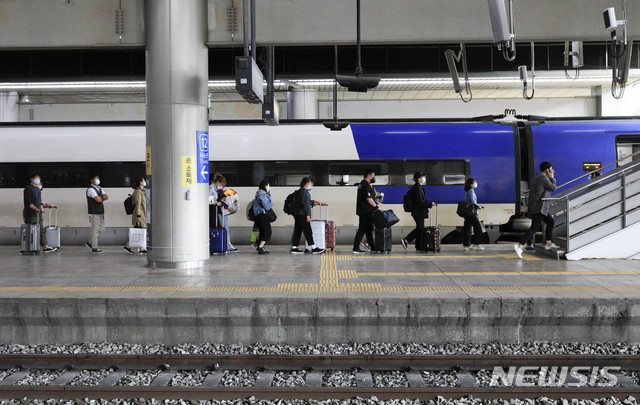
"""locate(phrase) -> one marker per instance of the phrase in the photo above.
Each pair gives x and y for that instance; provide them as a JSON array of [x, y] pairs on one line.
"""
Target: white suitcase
[[53, 230], [138, 238], [319, 231]]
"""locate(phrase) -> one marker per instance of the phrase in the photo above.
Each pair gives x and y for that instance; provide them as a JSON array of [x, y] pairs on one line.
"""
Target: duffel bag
[[465, 209], [385, 219]]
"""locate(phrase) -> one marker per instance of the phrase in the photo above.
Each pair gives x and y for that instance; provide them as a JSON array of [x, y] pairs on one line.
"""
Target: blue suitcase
[[218, 241], [217, 237]]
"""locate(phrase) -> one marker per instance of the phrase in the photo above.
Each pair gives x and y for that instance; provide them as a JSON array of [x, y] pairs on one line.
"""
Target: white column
[[9, 111], [304, 104], [177, 76]]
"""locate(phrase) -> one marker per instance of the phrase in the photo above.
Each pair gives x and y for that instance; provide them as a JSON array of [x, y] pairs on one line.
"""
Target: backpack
[[250, 215], [128, 205], [292, 203], [407, 203]]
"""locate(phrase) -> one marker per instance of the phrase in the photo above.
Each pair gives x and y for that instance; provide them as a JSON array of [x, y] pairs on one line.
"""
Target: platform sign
[[202, 168], [188, 170], [148, 161]]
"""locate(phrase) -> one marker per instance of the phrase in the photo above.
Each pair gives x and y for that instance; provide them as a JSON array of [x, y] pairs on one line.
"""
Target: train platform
[[455, 296]]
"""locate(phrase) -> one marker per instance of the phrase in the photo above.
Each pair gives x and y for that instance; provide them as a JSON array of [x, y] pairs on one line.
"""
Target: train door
[[627, 145], [524, 163]]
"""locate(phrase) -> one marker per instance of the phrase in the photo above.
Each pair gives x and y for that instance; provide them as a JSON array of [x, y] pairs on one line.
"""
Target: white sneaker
[[477, 248], [551, 246], [518, 250], [466, 248]]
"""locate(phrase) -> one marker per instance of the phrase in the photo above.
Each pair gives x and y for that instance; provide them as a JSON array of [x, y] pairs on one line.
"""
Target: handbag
[[138, 237], [465, 209], [385, 219], [270, 213]]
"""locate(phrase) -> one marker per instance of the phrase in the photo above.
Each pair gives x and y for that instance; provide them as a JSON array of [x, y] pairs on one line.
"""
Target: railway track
[[363, 370]]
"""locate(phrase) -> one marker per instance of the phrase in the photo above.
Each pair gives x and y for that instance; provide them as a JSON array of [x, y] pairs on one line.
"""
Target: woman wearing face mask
[[261, 204], [472, 220], [139, 216], [420, 211]]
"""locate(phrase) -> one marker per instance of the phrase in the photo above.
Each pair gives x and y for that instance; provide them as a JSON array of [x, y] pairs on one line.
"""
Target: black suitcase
[[383, 240], [431, 237]]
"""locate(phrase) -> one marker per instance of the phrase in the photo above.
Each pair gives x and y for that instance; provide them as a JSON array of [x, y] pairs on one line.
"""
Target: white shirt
[[91, 191]]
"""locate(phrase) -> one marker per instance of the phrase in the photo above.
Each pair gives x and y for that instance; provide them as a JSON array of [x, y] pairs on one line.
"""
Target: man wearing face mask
[[95, 203], [33, 208], [419, 211], [365, 207]]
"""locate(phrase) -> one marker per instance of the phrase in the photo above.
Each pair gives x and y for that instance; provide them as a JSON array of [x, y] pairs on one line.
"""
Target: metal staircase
[[600, 218]]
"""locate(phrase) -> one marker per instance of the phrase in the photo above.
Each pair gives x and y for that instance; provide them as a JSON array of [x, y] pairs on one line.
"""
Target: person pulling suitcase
[[34, 219], [302, 222], [417, 204]]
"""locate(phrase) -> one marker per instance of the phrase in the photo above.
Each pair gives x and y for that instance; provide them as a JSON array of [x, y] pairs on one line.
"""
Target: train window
[[232, 171], [350, 173], [120, 174], [439, 172], [281, 173]]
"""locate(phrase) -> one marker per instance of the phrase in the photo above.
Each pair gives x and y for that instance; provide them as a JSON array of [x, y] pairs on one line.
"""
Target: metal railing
[[598, 207]]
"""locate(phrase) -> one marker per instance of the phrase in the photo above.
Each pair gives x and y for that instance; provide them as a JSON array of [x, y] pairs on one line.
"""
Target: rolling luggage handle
[[431, 218], [313, 209], [56, 217]]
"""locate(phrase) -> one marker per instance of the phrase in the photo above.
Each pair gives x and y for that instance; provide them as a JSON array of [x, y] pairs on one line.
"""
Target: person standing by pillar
[[139, 216], [95, 203]]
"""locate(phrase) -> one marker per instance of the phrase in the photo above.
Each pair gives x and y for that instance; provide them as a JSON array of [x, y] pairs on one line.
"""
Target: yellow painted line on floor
[[507, 256]]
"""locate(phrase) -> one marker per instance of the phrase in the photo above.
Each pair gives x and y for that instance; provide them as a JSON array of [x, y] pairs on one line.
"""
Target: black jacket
[[420, 204], [32, 195], [304, 202]]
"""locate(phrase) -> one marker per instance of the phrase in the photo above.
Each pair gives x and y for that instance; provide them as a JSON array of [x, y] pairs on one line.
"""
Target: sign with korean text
[[202, 167], [148, 161], [188, 170]]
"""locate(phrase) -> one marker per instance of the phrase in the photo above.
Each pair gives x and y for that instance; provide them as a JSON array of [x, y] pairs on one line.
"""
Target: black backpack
[[128, 205], [407, 203], [292, 203]]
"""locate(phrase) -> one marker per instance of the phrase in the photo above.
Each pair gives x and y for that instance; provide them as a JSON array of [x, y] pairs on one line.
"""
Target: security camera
[[522, 71], [610, 21], [450, 55]]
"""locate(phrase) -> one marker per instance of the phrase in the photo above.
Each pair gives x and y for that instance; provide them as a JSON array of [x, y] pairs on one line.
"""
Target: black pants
[[264, 228], [417, 233], [471, 221], [538, 219], [365, 227], [302, 226]]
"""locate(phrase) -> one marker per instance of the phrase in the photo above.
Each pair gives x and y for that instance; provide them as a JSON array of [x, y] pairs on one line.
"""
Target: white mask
[[475, 185], [144, 183], [36, 181], [97, 182], [268, 188], [424, 180]]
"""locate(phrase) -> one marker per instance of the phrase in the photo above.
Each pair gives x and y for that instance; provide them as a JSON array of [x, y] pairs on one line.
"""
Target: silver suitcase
[[53, 230], [30, 238]]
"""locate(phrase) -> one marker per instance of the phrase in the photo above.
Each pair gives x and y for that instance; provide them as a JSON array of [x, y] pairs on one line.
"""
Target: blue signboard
[[203, 156]]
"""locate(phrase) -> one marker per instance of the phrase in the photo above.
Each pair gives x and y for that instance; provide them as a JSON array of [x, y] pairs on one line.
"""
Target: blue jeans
[[226, 226]]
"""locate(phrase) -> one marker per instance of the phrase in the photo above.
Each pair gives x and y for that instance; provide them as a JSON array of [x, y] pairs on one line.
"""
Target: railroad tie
[[213, 379], [415, 380], [65, 378], [15, 377], [364, 379], [466, 379], [163, 379], [112, 378], [265, 378], [314, 378]]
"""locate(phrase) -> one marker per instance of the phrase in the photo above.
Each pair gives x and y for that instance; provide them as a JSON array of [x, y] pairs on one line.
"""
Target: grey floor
[[75, 272]]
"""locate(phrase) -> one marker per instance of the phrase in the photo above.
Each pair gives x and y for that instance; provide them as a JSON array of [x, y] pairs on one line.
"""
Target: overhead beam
[[90, 23]]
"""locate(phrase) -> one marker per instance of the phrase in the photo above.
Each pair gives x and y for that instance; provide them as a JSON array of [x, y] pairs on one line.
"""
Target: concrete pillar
[[177, 75], [9, 111], [304, 104]]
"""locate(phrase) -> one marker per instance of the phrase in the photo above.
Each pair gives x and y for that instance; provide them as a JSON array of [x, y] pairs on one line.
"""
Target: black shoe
[[232, 250], [316, 251], [128, 250], [358, 252], [87, 244], [49, 250], [529, 247], [143, 252], [98, 251], [262, 251], [296, 251], [405, 244]]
